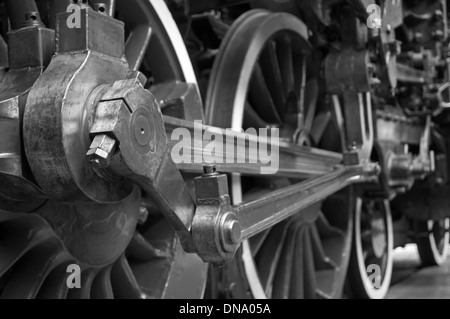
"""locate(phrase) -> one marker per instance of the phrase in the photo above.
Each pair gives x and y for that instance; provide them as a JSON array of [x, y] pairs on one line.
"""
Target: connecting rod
[[130, 141]]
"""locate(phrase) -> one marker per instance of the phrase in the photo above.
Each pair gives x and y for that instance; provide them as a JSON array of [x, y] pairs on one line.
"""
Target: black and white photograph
[[224, 154]]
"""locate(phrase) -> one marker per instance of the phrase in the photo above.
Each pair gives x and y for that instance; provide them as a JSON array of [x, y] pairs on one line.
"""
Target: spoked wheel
[[117, 261], [123, 249], [371, 263], [433, 236], [433, 241], [265, 76]]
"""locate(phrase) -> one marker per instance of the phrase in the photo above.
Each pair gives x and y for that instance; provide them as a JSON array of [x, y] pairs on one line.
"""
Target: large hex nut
[[130, 113], [211, 187], [101, 151]]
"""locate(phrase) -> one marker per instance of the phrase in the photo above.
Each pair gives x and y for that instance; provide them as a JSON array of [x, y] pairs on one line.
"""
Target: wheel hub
[[99, 216], [85, 215], [60, 111], [94, 234]]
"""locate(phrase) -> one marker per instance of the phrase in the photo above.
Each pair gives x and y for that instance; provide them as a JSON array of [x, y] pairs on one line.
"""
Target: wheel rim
[[372, 249], [123, 250], [164, 55], [439, 238], [256, 62], [434, 248]]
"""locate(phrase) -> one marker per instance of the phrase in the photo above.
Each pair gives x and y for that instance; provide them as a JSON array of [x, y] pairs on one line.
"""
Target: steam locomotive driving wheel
[[371, 263], [95, 202], [124, 247], [434, 245], [265, 76]]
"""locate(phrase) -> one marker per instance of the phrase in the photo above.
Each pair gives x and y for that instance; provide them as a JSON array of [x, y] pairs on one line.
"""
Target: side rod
[[292, 161], [130, 140], [275, 207], [219, 228]]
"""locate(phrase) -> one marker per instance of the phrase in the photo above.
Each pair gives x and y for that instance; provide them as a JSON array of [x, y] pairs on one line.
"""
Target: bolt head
[[138, 76], [234, 232], [98, 158], [209, 169], [230, 232], [211, 186], [101, 151]]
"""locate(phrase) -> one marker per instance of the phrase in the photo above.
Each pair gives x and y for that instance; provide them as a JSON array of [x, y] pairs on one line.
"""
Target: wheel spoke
[[257, 241], [260, 97], [319, 126], [18, 236], [272, 73], [87, 278], [140, 249], [101, 287], [267, 260], [252, 119], [299, 64], [310, 272], [55, 285], [323, 279], [137, 45], [325, 229], [30, 272], [300, 272], [124, 282], [333, 240], [321, 260], [285, 60], [311, 96], [283, 276]]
